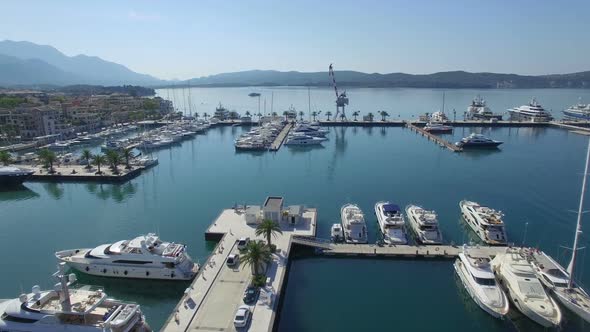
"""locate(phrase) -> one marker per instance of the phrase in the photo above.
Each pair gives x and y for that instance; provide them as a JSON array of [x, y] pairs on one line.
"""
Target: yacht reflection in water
[[17, 193], [118, 192]]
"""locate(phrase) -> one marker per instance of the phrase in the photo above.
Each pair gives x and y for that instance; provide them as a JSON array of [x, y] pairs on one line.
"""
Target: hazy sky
[[182, 39]]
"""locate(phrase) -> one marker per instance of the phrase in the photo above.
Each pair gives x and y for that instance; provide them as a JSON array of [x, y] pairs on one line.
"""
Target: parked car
[[243, 242], [242, 316], [250, 295], [233, 260]]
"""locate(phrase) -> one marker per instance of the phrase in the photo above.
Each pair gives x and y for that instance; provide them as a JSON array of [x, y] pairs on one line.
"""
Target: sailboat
[[558, 280]]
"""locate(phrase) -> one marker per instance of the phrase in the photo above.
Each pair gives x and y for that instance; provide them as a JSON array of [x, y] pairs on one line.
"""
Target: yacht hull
[[414, 226], [470, 220], [402, 239], [121, 270], [566, 302], [360, 235], [497, 313]]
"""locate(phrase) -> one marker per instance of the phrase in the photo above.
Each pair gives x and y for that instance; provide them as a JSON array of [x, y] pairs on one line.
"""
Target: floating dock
[[400, 251], [211, 301], [434, 138], [278, 142]]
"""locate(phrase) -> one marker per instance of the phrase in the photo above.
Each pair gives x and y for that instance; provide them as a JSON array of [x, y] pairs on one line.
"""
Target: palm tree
[[257, 255], [248, 113], [328, 114], [355, 115], [48, 157], [314, 114], [99, 159], [87, 155], [259, 115], [383, 115], [342, 117], [5, 158], [127, 154], [301, 115], [114, 158], [268, 228], [196, 115], [286, 114], [274, 114], [205, 115], [370, 116]]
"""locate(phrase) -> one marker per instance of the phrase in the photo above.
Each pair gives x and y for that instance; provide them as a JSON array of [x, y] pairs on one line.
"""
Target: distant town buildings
[[30, 114]]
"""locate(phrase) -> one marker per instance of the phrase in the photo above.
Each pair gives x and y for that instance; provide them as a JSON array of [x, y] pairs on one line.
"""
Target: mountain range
[[27, 64]]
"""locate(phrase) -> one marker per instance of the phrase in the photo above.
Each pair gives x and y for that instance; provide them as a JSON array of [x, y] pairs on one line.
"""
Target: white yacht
[[309, 130], [478, 110], [437, 127], [145, 257], [478, 279], [336, 233], [391, 222], [578, 112], [304, 140], [353, 223], [559, 280], [524, 289], [533, 112], [486, 222], [70, 309], [424, 224], [14, 176], [439, 117]]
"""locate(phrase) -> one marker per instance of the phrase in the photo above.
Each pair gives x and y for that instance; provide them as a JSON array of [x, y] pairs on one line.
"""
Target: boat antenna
[[526, 227], [570, 268], [443, 105]]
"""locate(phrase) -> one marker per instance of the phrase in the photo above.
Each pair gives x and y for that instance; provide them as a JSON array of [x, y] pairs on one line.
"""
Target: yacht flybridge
[[486, 222], [353, 223], [424, 224], [391, 223], [524, 289], [478, 279], [69, 309], [145, 257]]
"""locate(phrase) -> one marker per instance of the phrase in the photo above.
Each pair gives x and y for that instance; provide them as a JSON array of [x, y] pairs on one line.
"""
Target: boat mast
[[443, 106], [570, 267], [308, 102]]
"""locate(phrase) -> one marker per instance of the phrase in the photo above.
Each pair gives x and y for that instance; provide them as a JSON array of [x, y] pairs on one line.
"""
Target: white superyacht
[[478, 279], [391, 222], [69, 309], [353, 223], [145, 257], [533, 112], [424, 223], [524, 289], [486, 222]]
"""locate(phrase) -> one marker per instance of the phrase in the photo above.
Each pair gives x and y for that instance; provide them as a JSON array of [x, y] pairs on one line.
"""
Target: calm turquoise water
[[534, 178]]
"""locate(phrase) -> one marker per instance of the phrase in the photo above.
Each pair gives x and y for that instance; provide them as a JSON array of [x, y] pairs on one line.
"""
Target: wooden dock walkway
[[399, 251], [434, 138], [278, 142], [571, 126]]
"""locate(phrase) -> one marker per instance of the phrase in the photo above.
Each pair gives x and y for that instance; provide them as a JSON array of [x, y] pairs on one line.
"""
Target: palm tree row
[[5, 158], [112, 157]]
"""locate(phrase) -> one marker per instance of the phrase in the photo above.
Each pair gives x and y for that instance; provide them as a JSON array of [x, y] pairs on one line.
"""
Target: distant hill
[[54, 67], [452, 79]]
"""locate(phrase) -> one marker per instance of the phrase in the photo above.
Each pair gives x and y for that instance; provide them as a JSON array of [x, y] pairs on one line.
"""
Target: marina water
[[534, 179]]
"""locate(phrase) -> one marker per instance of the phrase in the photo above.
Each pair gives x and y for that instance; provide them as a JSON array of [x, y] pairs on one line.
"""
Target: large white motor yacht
[[70, 309], [533, 112], [556, 279], [424, 224], [145, 257], [479, 281], [486, 222], [353, 223], [478, 110], [391, 221], [336, 233], [301, 139], [578, 112], [524, 289]]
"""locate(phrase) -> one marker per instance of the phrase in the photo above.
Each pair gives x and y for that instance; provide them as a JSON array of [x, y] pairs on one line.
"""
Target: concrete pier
[[278, 142], [211, 301], [434, 138], [79, 173]]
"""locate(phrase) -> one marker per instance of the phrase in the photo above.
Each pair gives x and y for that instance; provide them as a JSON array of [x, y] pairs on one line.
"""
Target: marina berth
[[391, 222], [69, 308], [532, 112], [353, 223], [478, 279], [526, 292], [486, 222], [144, 257], [424, 224]]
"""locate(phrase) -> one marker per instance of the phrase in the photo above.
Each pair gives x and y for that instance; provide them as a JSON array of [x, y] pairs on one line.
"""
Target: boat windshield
[[485, 281]]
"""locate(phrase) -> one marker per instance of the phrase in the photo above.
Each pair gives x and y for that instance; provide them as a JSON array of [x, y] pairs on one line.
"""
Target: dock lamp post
[[454, 115]]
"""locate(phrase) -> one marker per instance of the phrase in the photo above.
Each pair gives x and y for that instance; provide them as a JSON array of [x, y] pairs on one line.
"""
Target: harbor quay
[[79, 173], [211, 301]]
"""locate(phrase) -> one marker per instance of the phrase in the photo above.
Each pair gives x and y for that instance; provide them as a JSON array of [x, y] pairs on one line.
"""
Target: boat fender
[[87, 269], [104, 270], [172, 275], [125, 272], [436, 249], [147, 273]]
